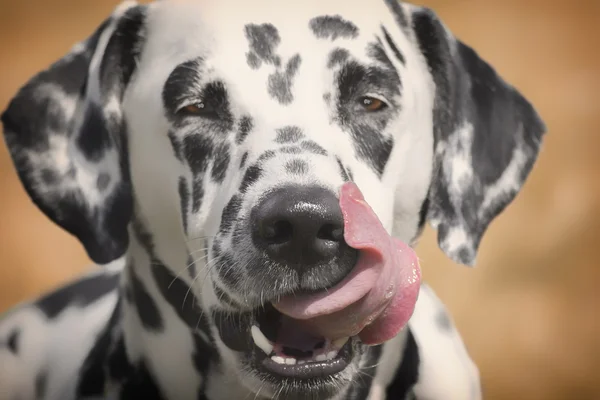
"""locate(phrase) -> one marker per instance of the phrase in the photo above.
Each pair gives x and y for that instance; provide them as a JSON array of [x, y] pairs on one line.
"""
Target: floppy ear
[[66, 135], [487, 138]]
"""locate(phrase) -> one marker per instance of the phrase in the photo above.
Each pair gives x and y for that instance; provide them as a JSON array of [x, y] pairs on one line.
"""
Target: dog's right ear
[[66, 135]]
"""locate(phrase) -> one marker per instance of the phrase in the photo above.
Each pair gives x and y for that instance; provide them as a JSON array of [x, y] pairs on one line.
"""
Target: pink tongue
[[378, 297]]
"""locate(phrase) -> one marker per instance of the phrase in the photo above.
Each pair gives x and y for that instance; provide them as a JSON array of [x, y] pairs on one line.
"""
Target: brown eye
[[372, 104], [196, 108]]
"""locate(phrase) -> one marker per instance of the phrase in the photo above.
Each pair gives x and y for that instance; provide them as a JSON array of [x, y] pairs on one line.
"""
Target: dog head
[[229, 132]]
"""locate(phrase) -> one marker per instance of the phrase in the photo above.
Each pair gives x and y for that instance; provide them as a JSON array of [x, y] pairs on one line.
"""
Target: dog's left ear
[[65, 131], [487, 137]]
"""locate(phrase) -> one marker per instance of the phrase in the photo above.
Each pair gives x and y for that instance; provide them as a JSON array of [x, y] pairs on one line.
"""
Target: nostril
[[278, 232], [331, 232]]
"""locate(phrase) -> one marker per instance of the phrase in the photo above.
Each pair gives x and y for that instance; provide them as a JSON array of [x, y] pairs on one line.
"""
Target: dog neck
[[166, 336]]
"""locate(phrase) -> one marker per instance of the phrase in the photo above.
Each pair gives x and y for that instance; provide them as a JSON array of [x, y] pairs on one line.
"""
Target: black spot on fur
[[376, 52], [79, 294], [197, 194], [337, 57], [313, 147], [49, 177], [221, 163], [142, 235], [147, 309], [184, 201], [343, 172], [102, 181], [250, 177], [94, 138], [13, 341], [396, 8], [253, 61], [262, 39], [372, 146], [333, 27], [290, 150], [289, 134], [442, 320], [134, 380], [393, 46], [279, 84], [407, 373], [41, 382], [243, 160], [140, 384], [267, 155], [197, 150], [296, 167], [230, 213], [204, 354], [118, 365], [179, 295], [350, 175], [245, 126], [465, 253], [92, 376], [124, 44]]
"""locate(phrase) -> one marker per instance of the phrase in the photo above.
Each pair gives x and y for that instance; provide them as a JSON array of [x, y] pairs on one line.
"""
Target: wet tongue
[[378, 297]]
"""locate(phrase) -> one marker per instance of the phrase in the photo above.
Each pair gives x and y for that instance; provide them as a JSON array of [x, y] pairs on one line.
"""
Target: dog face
[[227, 135]]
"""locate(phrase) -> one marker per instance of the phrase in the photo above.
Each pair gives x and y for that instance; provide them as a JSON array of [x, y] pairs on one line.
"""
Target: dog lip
[[309, 370]]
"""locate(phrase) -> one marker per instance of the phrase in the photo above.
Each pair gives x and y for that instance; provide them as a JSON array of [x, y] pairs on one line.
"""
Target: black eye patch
[[180, 84], [354, 79], [184, 96], [213, 102]]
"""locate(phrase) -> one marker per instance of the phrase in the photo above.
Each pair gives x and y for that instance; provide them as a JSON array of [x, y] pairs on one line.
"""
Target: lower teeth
[[292, 361]]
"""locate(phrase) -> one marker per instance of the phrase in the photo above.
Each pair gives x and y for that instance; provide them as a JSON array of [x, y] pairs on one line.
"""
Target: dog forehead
[[179, 30], [262, 44]]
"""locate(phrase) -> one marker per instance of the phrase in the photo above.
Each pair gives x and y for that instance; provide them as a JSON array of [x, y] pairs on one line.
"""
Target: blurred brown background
[[529, 312]]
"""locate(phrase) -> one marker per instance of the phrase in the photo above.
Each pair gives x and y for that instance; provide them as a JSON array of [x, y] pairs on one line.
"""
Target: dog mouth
[[315, 336], [286, 347]]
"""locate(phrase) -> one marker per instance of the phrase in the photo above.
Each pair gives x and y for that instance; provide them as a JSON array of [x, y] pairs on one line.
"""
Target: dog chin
[[308, 380]]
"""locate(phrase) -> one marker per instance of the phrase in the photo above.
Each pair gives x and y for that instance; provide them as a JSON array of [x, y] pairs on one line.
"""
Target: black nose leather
[[301, 227]]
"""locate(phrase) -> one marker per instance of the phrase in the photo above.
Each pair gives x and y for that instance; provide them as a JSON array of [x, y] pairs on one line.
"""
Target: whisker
[[178, 274]]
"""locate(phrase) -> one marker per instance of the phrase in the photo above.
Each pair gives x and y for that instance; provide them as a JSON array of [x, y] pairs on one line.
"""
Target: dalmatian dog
[[250, 179]]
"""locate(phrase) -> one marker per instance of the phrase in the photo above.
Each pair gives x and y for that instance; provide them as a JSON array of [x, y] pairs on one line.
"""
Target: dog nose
[[300, 227]]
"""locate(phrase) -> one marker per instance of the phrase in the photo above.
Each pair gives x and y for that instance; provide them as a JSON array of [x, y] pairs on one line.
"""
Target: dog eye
[[199, 109], [196, 108], [372, 104]]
